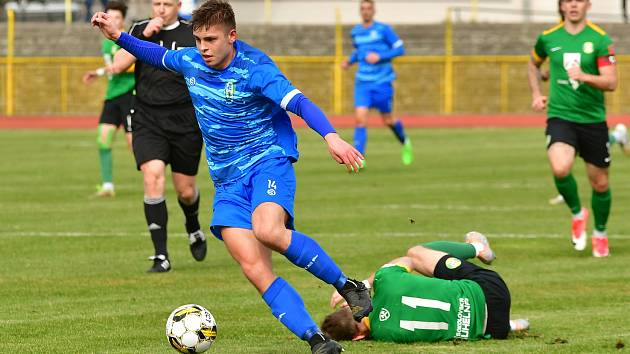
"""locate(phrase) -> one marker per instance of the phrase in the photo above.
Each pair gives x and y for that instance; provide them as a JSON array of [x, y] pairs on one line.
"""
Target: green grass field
[[72, 267]]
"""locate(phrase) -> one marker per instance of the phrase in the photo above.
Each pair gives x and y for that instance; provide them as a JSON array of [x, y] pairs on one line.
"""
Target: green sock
[[106, 165], [600, 202], [567, 187], [458, 249]]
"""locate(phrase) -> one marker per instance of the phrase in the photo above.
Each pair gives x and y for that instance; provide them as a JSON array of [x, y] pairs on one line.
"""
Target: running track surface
[[428, 121]]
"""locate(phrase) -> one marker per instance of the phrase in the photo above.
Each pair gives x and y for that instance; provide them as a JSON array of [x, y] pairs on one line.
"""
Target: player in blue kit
[[241, 98], [376, 44]]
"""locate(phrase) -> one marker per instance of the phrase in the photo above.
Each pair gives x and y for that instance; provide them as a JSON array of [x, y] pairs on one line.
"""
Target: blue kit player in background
[[240, 99], [376, 44]]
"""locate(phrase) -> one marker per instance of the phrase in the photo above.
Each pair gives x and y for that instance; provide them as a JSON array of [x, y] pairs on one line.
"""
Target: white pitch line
[[440, 235], [75, 234], [462, 207], [443, 235]]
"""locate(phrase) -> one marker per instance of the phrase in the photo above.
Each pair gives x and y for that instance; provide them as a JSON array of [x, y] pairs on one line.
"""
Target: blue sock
[[306, 253], [360, 139], [288, 307], [398, 129]]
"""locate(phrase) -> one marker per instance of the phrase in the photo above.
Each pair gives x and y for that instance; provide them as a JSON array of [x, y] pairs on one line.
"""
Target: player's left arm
[[396, 45], [606, 63], [271, 83], [339, 149]]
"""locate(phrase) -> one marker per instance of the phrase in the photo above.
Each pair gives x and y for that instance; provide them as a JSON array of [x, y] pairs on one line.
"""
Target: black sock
[[316, 339], [157, 217], [191, 211]]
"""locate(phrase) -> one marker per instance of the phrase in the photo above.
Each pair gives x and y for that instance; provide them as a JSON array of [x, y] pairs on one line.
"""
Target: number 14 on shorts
[[271, 187]]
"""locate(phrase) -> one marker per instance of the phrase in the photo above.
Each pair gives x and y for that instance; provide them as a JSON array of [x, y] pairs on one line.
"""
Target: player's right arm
[[354, 56], [537, 58], [147, 52]]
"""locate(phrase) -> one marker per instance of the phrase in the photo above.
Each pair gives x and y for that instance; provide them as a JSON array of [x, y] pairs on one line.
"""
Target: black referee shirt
[[157, 87]]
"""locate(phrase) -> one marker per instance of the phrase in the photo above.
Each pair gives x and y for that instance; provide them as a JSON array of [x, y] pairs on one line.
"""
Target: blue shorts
[[379, 96], [270, 181]]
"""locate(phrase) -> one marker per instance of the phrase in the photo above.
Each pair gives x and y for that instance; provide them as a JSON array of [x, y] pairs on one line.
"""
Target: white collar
[[172, 26]]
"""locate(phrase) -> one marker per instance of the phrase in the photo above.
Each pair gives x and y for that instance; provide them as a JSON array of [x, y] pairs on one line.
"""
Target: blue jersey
[[240, 110], [381, 39]]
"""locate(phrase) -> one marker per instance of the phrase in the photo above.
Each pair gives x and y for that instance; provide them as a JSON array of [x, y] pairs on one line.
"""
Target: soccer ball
[[191, 329]]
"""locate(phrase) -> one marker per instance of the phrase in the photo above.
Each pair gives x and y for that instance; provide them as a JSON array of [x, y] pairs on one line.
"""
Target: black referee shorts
[[590, 140], [117, 111], [170, 134], [498, 300]]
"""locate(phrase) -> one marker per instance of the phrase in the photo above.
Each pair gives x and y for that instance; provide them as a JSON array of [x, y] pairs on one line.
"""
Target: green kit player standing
[[450, 298], [582, 67], [118, 103]]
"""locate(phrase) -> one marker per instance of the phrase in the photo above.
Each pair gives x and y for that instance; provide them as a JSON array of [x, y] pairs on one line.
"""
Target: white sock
[[601, 234], [108, 186], [579, 215], [479, 247]]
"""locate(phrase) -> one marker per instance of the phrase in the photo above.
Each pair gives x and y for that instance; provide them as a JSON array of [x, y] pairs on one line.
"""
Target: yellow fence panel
[[478, 85]]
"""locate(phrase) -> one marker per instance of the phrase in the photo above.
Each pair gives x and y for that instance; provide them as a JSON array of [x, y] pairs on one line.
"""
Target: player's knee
[[103, 142], [600, 185], [560, 170], [269, 234], [416, 252], [105, 137], [188, 193], [153, 183]]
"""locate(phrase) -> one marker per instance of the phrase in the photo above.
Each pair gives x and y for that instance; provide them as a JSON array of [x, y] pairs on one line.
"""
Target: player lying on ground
[[450, 298], [117, 105], [241, 97]]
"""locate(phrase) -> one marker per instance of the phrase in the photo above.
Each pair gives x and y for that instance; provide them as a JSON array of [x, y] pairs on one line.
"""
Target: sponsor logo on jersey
[[452, 263], [588, 48], [229, 89], [383, 315], [555, 49], [191, 81], [571, 60], [463, 319]]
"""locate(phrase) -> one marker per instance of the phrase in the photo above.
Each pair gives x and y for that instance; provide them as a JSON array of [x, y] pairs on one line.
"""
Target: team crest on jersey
[[452, 263], [588, 47], [229, 89], [383, 315]]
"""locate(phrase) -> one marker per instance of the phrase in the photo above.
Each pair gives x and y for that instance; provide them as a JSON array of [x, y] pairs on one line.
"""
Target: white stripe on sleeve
[[287, 98], [397, 44]]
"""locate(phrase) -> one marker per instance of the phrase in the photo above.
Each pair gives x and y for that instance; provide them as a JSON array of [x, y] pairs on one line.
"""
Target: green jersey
[[118, 84], [414, 308], [590, 49]]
